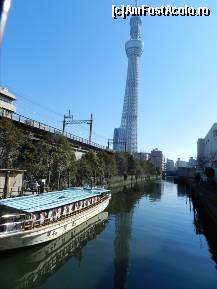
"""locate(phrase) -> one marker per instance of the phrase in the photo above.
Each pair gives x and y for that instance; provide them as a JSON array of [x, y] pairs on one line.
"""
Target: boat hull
[[48, 232]]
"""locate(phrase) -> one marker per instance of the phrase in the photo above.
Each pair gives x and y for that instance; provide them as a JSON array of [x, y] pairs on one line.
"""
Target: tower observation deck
[[125, 137]]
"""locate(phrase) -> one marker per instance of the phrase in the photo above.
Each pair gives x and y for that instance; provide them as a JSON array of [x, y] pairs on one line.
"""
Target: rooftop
[[5, 92], [46, 201]]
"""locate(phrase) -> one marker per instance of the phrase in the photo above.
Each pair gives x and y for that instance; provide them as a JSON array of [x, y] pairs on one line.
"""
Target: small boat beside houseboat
[[31, 220]]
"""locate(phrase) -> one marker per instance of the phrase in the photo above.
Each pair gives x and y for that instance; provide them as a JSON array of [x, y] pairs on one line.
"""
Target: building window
[[215, 133]]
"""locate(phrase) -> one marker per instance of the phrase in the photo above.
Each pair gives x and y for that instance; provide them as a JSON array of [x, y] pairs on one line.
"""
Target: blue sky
[[71, 56]]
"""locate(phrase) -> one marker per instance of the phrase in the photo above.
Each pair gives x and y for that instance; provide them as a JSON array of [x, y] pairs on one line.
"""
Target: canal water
[[151, 237]]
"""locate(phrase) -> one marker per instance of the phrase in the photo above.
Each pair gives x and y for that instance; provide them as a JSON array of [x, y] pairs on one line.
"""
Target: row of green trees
[[53, 159]]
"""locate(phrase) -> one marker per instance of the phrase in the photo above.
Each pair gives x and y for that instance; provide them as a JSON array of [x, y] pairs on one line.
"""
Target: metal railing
[[44, 127]]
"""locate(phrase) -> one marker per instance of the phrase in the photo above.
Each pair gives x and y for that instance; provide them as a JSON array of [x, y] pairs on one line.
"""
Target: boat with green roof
[[31, 220]]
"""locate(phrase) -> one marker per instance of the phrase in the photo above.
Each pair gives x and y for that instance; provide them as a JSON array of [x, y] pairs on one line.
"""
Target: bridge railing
[[39, 125]]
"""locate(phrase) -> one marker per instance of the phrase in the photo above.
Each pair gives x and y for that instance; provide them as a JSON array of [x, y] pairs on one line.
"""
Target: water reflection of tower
[[122, 207], [123, 229]]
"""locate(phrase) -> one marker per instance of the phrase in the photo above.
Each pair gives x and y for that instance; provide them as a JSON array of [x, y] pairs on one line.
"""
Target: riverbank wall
[[205, 196], [116, 182]]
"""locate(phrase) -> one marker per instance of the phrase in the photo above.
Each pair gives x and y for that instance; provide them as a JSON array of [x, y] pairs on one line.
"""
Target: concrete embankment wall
[[205, 194], [120, 181]]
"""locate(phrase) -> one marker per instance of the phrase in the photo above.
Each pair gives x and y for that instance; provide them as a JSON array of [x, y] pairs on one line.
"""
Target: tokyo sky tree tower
[[125, 137]]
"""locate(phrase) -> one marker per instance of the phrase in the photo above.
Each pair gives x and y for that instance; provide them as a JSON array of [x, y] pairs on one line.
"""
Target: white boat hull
[[48, 232]]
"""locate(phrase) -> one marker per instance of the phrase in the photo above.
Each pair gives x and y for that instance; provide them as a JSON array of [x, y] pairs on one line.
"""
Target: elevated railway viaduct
[[40, 130]]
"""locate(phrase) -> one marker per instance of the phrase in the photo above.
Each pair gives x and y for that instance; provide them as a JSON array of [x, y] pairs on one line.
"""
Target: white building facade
[[7, 100], [207, 149], [181, 164]]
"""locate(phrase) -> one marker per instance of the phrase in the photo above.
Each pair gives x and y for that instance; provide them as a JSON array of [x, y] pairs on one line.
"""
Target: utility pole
[[68, 119], [6, 185], [91, 126], [110, 141]]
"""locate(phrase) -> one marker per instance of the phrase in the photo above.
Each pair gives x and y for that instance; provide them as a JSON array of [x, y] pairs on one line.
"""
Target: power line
[[37, 104], [96, 134], [23, 106], [28, 109], [27, 99]]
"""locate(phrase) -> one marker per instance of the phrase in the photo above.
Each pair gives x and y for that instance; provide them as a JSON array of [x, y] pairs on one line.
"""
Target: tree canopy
[[53, 158], [11, 139]]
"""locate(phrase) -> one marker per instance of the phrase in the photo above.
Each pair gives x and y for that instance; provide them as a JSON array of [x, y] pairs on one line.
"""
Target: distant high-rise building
[[181, 164], [192, 163], [170, 166], [157, 159], [142, 156], [125, 137]]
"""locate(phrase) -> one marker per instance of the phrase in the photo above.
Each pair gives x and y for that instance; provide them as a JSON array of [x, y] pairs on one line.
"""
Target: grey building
[[170, 165], [125, 137], [142, 156], [207, 150], [200, 152], [192, 163], [157, 159]]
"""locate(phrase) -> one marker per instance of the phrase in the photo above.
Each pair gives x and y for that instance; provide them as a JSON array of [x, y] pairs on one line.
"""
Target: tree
[[52, 158], [158, 172], [95, 164], [139, 170], [83, 173], [108, 165], [30, 159], [11, 139], [63, 160], [121, 164], [131, 165], [148, 168], [36, 157]]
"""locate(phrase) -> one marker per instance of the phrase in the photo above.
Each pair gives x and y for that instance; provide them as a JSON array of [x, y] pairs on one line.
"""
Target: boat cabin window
[[12, 219], [11, 222]]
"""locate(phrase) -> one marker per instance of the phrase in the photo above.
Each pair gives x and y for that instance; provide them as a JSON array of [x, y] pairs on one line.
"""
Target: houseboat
[[31, 220]]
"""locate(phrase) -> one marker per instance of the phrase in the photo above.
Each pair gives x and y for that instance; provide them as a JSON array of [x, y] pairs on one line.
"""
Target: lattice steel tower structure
[[125, 137]]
